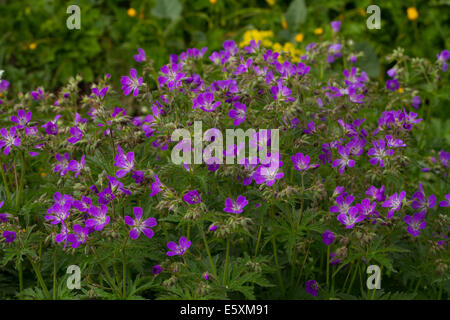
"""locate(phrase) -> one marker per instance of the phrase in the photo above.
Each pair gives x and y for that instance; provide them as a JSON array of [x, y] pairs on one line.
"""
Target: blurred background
[[37, 49]]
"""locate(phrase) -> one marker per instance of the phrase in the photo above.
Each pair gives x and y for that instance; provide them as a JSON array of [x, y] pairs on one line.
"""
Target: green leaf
[[296, 14], [170, 9]]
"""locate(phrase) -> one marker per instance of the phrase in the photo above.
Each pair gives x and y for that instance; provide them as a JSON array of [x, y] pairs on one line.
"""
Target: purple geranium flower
[[192, 197], [280, 92], [446, 202], [344, 161], [131, 83], [379, 152], [376, 194], [238, 114], [394, 202], [392, 84], [84, 205], [76, 133], [139, 225], [79, 237], [156, 269], [8, 139], [415, 102], [99, 218], [415, 223], [301, 162], [172, 75], [51, 127], [38, 94], [140, 57], [351, 217], [180, 248], [9, 236], [235, 207], [312, 287], [156, 186], [58, 212], [21, 119], [336, 25], [76, 166], [419, 201], [343, 204], [206, 102], [100, 93], [126, 163], [442, 57], [63, 164], [366, 208], [328, 237], [138, 176]]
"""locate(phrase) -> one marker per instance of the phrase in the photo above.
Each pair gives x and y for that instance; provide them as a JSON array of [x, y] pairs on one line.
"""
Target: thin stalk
[[22, 175], [259, 239], [226, 261], [54, 274], [328, 264], [40, 279], [353, 278], [213, 267], [274, 244], [20, 271], [5, 182]]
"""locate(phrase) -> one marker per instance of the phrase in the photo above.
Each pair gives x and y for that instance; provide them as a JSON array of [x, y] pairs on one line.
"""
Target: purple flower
[[37, 95], [84, 205], [62, 235], [238, 114], [394, 143], [76, 166], [173, 75], [180, 248], [131, 83], [350, 218], [444, 157], [442, 58], [213, 227], [344, 161], [392, 72], [138, 176], [235, 207], [280, 92], [140, 57], [76, 133], [312, 287], [50, 127], [334, 52], [415, 223], [126, 163], [415, 102], [106, 196], [394, 202], [206, 102], [192, 197], [343, 204], [58, 212], [63, 164], [366, 208], [79, 237], [4, 85], [21, 119], [328, 237], [100, 93], [139, 225], [336, 25], [9, 236], [446, 202], [301, 162], [379, 152], [419, 201], [8, 139], [156, 186], [269, 173], [99, 218], [392, 84], [311, 128], [156, 269]]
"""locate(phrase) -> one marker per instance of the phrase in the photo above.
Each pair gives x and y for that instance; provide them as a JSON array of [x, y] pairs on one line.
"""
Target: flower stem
[[8, 195], [54, 274], [213, 267], [39, 276], [328, 263], [225, 272]]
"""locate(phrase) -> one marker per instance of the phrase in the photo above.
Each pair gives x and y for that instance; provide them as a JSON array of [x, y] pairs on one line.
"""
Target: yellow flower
[[412, 13], [299, 37], [212, 1], [318, 31], [362, 12], [400, 90], [32, 46], [270, 2], [43, 174], [284, 24], [131, 12]]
